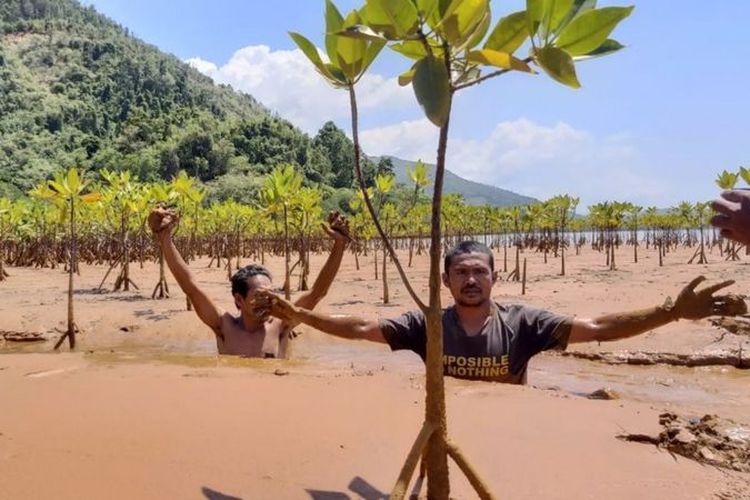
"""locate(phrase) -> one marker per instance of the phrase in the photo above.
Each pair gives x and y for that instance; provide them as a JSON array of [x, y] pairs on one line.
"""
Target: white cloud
[[205, 67], [286, 82], [533, 159], [408, 140]]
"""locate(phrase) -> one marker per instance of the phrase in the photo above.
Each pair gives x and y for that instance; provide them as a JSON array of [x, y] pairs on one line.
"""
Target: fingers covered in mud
[[693, 303], [337, 227], [715, 288], [162, 218], [265, 304]]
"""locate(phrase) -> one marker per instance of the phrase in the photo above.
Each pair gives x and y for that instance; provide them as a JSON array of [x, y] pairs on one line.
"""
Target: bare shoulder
[[229, 323]]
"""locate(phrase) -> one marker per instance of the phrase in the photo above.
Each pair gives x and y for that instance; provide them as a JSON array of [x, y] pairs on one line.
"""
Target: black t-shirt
[[500, 352]]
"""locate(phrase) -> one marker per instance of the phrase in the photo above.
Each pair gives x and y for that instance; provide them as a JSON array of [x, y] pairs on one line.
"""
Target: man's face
[[470, 279], [244, 304]]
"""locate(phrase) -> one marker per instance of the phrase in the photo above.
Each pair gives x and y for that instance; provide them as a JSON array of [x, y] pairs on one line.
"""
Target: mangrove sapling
[[277, 196], [122, 202], [68, 191], [442, 36]]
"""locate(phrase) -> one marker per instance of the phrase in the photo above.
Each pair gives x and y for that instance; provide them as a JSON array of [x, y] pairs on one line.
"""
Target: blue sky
[[652, 124]]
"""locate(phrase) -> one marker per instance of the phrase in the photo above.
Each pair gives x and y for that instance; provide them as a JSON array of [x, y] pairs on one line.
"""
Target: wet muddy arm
[[204, 307], [619, 326], [347, 327], [690, 304]]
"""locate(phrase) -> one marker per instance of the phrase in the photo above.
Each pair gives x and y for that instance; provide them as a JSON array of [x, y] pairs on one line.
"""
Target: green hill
[[77, 89], [474, 193]]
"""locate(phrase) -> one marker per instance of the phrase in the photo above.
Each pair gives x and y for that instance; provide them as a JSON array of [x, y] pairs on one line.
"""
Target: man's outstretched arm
[[689, 305], [338, 230], [162, 222], [347, 327]]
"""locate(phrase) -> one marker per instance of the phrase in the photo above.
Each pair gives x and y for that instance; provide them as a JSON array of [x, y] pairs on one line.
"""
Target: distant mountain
[[474, 193]]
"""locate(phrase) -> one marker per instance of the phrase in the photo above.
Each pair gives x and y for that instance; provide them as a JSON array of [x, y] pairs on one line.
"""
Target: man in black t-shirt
[[483, 340], [498, 352]]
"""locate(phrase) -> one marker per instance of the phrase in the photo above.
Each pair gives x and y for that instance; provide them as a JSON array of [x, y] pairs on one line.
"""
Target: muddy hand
[[261, 304], [337, 227], [162, 218], [266, 303], [692, 304]]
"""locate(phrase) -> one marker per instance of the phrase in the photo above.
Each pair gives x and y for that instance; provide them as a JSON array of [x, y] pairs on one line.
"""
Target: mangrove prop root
[[471, 474], [402, 483], [68, 333], [161, 291], [413, 458]]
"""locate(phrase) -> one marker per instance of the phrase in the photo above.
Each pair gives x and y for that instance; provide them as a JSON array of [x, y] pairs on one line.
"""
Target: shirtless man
[[247, 334]]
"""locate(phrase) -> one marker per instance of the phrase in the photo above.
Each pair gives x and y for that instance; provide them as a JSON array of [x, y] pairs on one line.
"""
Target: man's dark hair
[[239, 280], [469, 246]]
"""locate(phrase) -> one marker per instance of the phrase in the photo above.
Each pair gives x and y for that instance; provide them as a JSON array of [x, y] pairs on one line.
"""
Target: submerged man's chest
[[236, 340]]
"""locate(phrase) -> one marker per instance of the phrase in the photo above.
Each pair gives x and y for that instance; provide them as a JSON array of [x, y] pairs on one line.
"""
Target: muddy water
[[723, 391], [696, 391]]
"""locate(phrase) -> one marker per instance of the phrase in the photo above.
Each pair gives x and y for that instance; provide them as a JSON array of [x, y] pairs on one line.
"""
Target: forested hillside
[[77, 89]]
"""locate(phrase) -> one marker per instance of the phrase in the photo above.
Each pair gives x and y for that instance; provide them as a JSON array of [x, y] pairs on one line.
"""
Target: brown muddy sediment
[[739, 325], [22, 336], [709, 440], [738, 358]]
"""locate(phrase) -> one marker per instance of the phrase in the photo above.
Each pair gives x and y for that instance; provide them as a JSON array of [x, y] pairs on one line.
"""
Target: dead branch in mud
[[725, 357]]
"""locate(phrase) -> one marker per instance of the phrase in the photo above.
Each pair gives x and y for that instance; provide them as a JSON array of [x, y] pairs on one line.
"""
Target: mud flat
[[97, 427], [146, 409]]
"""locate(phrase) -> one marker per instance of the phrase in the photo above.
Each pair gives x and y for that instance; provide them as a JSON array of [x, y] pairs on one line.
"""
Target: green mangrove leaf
[[534, 15], [412, 49], [480, 31], [608, 47], [393, 18], [406, 77], [558, 64], [350, 51], [361, 32], [509, 33], [555, 12], [498, 59], [307, 48], [462, 19], [579, 7], [591, 29], [432, 87], [334, 21]]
